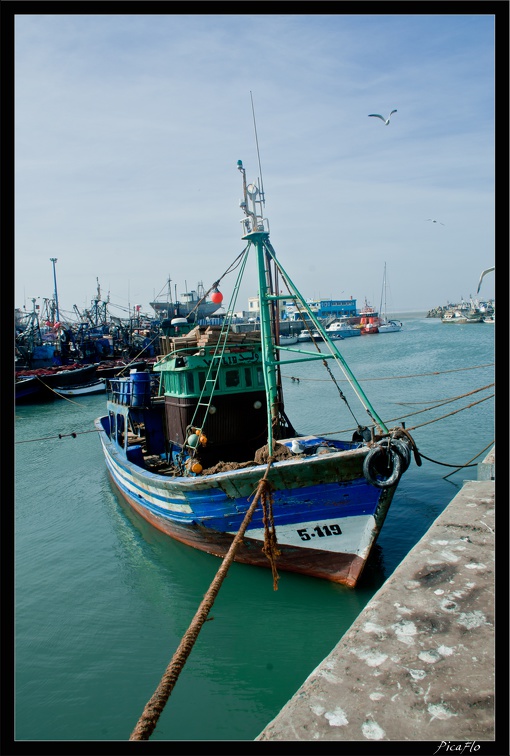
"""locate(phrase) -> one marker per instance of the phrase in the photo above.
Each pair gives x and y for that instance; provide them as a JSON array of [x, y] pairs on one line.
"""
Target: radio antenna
[[262, 195]]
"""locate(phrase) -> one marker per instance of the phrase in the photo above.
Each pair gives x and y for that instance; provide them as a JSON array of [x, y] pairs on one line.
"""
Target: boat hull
[[327, 516], [344, 333], [29, 389], [46, 384], [95, 387], [389, 327]]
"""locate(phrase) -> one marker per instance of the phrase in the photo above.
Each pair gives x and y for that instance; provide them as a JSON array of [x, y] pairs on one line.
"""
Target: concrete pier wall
[[419, 661]]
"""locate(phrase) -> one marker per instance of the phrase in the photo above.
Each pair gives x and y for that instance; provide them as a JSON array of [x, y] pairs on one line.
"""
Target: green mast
[[256, 233]]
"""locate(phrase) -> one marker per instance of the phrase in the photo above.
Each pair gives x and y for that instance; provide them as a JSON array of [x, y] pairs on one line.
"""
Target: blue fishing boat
[[188, 445]]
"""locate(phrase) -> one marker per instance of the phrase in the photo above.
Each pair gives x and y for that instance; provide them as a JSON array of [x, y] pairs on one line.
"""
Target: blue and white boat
[[342, 329], [203, 449]]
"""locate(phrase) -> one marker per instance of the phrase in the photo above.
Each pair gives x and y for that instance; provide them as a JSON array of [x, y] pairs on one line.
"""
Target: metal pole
[[54, 260]]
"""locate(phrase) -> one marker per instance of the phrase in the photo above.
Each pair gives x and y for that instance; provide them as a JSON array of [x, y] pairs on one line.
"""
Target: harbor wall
[[418, 663]]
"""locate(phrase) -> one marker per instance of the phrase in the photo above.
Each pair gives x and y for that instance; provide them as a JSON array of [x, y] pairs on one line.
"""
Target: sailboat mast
[[382, 313]]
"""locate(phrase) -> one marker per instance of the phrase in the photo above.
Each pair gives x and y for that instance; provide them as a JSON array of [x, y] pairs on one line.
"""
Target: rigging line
[[412, 375], [230, 269], [402, 417], [413, 404], [316, 344], [333, 349], [60, 435], [442, 403], [458, 467], [454, 412], [427, 409], [56, 392], [467, 464], [258, 151]]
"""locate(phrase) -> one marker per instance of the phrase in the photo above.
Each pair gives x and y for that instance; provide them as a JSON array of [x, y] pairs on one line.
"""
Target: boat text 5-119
[[188, 445]]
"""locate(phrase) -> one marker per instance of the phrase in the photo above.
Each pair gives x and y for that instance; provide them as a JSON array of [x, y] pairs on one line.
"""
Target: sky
[[128, 129]]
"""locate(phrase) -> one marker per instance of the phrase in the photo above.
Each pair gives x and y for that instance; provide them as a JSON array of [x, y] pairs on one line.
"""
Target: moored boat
[[85, 389], [369, 320], [188, 445], [192, 304], [288, 340], [385, 324], [342, 328], [112, 368], [28, 388], [50, 380], [461, 317], [390, 326]]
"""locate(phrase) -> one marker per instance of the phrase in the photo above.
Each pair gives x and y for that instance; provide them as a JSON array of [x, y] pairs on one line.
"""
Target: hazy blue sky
[[129, 128]]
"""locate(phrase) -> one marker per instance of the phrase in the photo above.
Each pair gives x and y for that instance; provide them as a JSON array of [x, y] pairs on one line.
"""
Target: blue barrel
[[141, 389], [122, 389]]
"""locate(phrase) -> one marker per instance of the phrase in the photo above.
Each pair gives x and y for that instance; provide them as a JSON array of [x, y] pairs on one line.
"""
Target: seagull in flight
[[435, 221], [481, 277], [384, 120]]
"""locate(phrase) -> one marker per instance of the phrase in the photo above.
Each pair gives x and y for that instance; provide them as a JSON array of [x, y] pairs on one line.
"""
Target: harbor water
[[102, 600]]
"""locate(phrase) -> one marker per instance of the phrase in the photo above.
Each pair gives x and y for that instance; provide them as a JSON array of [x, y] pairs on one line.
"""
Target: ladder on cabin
[[211, 379]]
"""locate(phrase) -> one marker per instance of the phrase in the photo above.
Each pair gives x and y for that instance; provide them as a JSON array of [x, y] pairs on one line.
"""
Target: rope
[[154, 707], [270, 548], [467, 464], [454, 412], [443, 464], [215, 285], [397, 377], [56, 392], [60, 435]]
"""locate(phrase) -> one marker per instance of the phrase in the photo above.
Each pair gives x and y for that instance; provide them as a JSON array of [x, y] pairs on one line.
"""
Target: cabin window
[[247, 376], [190, 383], [260, 377], [201, 380], [232, 378]]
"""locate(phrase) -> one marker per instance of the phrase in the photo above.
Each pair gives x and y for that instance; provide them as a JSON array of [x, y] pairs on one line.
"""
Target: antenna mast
[[262, 195]]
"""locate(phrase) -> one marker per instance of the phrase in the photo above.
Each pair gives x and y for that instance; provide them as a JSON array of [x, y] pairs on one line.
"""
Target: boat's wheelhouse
[[222, 394]]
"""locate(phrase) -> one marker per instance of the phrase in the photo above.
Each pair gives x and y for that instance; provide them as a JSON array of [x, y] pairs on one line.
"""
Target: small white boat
[[288, 340], [390, 326], [385, 325], [489, 319], [95, 387], [344, 330]]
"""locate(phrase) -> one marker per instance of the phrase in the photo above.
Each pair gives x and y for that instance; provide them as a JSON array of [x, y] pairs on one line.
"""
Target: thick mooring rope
[[154, 707], [270, 548]]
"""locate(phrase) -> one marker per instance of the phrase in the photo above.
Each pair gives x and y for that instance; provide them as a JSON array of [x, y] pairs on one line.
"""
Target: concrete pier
[[419, 662]]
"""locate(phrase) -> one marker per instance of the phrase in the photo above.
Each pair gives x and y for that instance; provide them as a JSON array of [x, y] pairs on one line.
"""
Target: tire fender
[[377, 454]]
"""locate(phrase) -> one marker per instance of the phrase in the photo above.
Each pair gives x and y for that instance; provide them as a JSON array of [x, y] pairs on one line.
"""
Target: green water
[[102, 600]]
